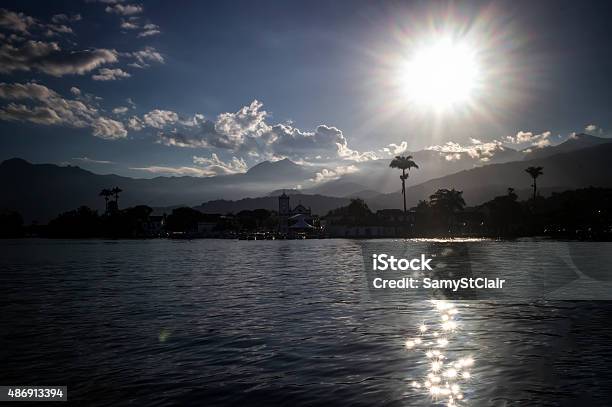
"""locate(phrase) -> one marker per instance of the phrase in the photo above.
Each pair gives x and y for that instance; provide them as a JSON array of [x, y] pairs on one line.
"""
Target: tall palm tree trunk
[[534, 189], [404, 190]]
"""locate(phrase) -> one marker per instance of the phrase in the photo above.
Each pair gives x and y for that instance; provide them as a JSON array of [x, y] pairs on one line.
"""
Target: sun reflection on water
[[446, 376]]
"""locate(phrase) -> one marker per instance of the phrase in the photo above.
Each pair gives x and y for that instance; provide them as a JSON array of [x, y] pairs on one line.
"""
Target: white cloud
[[521, 137], [453, 151], [146, 30], [92, 161], [54, 29], [25, 25], [592, 128], [452, 157], [52, 109], [327, 174], [543, 142], [175, 171], [149, 30], [108, 129], [289, 141], [354, 155], [120, 110], [394, 149], [129, 25], [135, 123], [106, 74], [145, 57], [232, 129], [75, 91], [248, 132], [204, 167], [215, 166], [124, 10], [537, 140], [158, 119]]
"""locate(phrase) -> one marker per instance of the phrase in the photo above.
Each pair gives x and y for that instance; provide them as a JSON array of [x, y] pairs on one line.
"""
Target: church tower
[[283, 213], [283, 205]]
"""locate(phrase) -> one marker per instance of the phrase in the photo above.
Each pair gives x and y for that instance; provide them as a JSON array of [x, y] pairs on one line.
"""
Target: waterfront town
[[578, 214]]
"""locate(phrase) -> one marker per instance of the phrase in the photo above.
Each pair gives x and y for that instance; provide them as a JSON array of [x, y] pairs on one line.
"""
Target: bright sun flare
[[440, 75]]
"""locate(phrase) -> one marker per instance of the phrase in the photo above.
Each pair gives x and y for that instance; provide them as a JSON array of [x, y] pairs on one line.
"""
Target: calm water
[[209, 322]]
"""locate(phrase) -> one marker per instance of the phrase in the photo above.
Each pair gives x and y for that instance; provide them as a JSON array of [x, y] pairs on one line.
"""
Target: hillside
[[582, 168], [41, 191], [319, 204], [573, 143]]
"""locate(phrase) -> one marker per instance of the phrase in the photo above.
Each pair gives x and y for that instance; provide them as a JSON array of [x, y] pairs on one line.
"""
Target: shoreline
[[453, 239]]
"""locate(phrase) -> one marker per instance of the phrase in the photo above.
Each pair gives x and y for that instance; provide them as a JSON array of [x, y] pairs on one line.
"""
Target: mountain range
[[375, 175], [576, 169], [41, 191]]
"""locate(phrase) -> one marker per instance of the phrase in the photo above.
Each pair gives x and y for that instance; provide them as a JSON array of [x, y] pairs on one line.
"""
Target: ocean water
[[222, 322]]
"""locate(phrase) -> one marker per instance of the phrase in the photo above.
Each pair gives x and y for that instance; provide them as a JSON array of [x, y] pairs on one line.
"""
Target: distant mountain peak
[[15, 162], [587, 138], [572, 143], [284, 163]]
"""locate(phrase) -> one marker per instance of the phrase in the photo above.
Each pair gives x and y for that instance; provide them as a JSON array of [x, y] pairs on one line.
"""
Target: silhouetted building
[[300, 215], [155, 225]]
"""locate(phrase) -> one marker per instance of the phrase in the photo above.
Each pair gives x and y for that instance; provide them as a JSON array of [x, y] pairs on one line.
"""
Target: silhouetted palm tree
[[447, 202], [106, 193], [116, 191], [535, 172], [404, 164]]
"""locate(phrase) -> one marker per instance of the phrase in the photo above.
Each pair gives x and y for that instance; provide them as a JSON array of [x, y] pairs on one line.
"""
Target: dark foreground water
[[210, 322]]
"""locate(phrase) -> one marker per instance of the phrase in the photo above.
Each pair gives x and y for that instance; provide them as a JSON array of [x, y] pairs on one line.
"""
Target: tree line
[[584, 213]]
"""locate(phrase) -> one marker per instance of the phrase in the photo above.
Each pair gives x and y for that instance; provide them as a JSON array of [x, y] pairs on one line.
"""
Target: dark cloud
[[38, 114], [64, 18], [49, 58], [15, 21]]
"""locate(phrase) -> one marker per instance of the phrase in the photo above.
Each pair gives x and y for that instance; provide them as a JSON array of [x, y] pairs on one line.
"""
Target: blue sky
[[196, 78]]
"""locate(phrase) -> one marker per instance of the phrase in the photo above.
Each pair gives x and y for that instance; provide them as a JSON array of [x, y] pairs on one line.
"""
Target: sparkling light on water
[[446, 377]]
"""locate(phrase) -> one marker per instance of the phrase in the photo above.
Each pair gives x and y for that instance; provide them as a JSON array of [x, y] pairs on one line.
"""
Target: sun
[[440, 75]]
